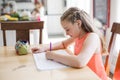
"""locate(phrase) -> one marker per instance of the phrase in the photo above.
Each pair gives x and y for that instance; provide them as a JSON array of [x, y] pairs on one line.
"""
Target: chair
[[115, 30], [116, 75], [22, 29]]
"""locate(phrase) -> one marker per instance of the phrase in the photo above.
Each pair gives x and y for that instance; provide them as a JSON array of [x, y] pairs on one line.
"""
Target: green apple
[[23, 50]]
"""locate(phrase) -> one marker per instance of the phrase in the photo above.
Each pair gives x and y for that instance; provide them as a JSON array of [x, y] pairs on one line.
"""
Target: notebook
[[44, 64]]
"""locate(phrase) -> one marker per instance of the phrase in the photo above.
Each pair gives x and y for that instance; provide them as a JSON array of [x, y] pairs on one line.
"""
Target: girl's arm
[[91, 44], [59, 45]]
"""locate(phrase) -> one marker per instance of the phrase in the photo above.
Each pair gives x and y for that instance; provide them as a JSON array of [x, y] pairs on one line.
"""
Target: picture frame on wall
[[101, 11]]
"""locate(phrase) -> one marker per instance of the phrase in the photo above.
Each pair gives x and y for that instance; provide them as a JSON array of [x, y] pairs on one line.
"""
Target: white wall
[[55, 9], [82, 4], [115, 11], [54, 25]]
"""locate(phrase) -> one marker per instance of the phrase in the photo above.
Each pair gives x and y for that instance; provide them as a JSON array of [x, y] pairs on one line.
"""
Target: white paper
[[44, 64]]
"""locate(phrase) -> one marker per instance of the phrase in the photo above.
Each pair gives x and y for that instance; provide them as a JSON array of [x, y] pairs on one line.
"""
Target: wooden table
[[22, 29], [14, 67]]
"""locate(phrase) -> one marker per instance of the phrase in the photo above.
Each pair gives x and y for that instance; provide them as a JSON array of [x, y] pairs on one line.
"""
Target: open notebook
[[43, 64]]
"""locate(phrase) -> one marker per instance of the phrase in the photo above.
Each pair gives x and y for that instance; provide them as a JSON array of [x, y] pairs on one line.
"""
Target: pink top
[[95, 63]]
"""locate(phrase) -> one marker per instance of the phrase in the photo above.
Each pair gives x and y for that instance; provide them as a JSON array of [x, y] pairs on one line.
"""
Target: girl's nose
[[67, 33]]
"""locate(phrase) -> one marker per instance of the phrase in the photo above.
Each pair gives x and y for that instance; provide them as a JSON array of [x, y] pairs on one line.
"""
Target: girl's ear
[[79, 22]]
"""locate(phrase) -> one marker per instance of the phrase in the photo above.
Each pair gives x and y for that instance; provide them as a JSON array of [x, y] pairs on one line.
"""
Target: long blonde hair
[[74, 13]]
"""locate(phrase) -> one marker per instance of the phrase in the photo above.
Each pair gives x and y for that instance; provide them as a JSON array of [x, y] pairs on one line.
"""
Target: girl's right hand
[[37, 50]]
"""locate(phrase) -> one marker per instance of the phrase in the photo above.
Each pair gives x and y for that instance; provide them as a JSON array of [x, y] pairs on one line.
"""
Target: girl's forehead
[[66, 24]]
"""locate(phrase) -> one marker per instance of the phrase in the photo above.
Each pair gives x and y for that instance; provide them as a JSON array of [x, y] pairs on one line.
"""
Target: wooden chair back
[[22, 29], [115, 30], [116, 75]]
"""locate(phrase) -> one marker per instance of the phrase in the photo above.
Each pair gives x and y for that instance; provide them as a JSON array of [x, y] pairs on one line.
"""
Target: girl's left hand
[[49, 55]]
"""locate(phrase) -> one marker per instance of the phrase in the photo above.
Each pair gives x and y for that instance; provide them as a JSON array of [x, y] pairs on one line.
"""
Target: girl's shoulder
[[92, 34], [92, 37]]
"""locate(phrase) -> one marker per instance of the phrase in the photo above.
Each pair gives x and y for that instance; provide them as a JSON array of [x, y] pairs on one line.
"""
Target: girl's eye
[[67, 30]]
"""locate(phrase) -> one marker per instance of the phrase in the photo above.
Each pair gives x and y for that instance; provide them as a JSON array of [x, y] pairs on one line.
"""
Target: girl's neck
[[82, 34]]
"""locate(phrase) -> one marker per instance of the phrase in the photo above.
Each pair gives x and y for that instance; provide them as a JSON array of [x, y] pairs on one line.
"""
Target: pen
[[50, 46]]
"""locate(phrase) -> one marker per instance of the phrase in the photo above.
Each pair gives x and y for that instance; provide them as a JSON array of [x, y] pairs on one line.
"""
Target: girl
[[88, 45], [35, 15]]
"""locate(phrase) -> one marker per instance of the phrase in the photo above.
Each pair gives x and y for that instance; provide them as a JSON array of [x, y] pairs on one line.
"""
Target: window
[[101, 11]]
